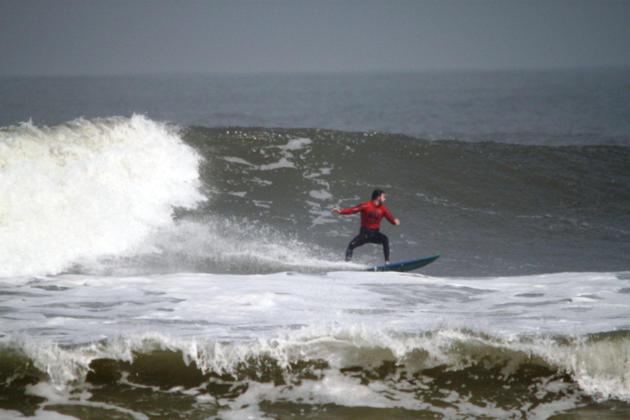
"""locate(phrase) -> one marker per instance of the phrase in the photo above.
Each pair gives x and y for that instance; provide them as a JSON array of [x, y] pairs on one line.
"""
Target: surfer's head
[[378, 196]]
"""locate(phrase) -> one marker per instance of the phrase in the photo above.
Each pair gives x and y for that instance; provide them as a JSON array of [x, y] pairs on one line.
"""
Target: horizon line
[[316, 72]]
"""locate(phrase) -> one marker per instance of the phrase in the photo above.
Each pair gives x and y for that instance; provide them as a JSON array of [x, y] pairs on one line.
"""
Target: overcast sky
[[103, 37]]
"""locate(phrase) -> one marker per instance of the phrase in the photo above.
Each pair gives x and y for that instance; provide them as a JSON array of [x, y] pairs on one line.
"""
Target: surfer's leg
[[358, 240], [379, 238]]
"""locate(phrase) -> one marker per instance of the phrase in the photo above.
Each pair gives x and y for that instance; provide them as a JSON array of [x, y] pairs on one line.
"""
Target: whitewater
[[149, 270]]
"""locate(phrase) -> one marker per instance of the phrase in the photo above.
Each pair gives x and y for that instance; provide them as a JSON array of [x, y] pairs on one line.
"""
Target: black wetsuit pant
[[372, 236]]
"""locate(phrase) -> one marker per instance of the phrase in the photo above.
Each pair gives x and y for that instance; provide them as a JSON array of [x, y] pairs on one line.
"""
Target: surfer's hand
[[335, 210], [396, 222]]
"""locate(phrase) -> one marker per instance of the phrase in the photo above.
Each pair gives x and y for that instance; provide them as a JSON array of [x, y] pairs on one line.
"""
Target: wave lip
[[88, 188]]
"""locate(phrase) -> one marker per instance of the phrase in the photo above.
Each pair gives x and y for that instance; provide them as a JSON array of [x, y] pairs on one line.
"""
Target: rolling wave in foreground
[[149, 271]]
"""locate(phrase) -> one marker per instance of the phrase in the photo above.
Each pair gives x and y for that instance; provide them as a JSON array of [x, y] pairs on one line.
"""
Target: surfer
[[371, 214]]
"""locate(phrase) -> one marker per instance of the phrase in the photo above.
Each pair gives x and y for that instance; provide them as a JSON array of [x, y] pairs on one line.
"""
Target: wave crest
[[88, 188], [597, 364]]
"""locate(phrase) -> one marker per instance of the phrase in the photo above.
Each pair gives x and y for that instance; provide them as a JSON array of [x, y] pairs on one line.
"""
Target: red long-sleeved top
[[371, 214]]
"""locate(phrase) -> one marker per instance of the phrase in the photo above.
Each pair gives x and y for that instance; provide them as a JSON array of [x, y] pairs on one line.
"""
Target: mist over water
[[152, 268]]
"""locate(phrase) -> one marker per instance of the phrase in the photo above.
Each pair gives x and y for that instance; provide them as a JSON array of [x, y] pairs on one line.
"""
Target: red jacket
[[371, 214]]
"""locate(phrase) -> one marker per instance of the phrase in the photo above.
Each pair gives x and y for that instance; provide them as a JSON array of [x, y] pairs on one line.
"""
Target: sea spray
[[88, 188]]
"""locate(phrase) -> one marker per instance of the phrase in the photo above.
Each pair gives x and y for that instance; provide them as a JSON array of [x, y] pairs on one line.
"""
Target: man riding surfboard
[[371, 214]]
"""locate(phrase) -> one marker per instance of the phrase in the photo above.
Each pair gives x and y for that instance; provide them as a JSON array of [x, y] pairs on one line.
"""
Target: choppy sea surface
[[167, 249]]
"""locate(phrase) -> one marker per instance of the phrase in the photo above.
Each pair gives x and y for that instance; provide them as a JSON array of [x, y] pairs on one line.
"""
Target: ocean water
[[167, 249]]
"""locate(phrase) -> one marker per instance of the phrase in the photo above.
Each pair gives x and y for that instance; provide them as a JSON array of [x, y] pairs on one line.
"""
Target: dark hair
[[376, 194]]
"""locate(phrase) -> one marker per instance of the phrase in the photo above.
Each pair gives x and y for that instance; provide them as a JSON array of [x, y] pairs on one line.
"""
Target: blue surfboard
[[405, 265]]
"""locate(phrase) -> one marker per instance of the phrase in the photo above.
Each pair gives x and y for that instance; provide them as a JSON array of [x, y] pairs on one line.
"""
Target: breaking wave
[[358, 366], [88, 188]]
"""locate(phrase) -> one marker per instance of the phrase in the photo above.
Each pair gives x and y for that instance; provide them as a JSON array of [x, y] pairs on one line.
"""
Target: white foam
[[88, 188], [320, 194], [296, 144], [280, 164], [284, 162], [240, 194], [347, 319], [225, 243], [40, 414], [59, 395], [265, 204], [286, 159], [262, 182], [237, 160]]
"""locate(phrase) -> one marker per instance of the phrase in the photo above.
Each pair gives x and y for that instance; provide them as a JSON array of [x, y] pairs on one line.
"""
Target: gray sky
[[96, 37]]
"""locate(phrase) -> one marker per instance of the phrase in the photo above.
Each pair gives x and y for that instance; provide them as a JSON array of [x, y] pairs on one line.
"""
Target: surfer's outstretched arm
[[390, 218], [349, 210]]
